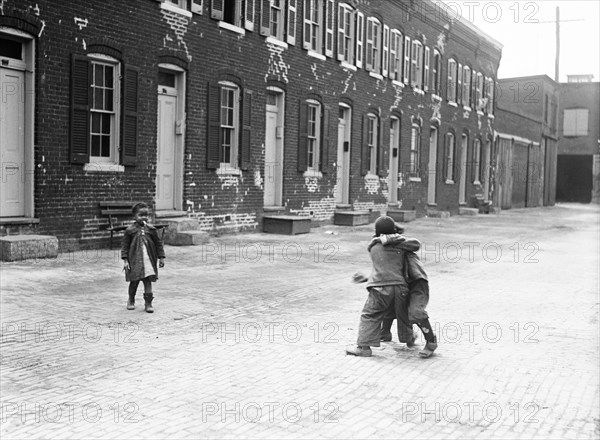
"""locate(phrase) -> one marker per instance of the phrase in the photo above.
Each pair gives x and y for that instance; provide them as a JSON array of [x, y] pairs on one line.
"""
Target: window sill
[[467, 108], [414, 179], [348, 66], [418, 91], [479, 112], [452, 104], [312, 173], [398, 83], [228, 171], [312, 53], [375, 75], [449, 182], [371, 176], [491, 116], [172, 8], [435, 97], [476, 182], [231, 27], [276, 42], [103, 167]]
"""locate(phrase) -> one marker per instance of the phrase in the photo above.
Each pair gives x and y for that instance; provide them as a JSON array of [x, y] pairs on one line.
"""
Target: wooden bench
[[114, 210]]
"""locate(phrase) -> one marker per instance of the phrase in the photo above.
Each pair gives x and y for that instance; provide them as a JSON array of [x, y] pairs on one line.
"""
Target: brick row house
[[224, 110]]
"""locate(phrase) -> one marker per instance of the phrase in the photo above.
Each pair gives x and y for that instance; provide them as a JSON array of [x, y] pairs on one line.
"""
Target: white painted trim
[[103, 167], [226, 170], [171, 7], [169, 66], [311, 172], [452, 104], [376, 75], [312, 53], [449, 182], [348, 66], [398, 83], [231, 27], [414, 179], [277, 42]]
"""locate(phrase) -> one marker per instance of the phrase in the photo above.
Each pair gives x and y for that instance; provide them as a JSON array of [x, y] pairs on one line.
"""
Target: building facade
[[224, 110]]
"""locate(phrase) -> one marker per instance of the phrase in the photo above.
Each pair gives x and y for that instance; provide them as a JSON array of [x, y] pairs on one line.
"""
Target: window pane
[[105, 146], [166, 79], [98, 75], [98, 99], [109, 76], [108, 100], [95, 123], [11, 49], [95, 146], [106, 124]]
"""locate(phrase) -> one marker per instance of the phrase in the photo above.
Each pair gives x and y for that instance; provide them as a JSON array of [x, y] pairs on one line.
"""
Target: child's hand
[[161, 262], [126, 265], [358, 277], [373, 242]]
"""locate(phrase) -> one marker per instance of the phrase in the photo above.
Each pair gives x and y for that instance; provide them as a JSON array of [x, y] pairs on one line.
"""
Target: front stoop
[[286, 224], [438, 214], [183, 231], [351, 218], [189, 238], [25, 247], [402, 215], [467, 211]]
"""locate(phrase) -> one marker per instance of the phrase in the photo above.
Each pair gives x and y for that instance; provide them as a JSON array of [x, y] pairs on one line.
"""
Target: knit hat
[[385, 225]]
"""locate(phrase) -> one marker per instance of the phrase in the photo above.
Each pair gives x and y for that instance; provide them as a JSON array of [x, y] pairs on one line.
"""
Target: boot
[[148, 297], [429, 348], [131, 302]]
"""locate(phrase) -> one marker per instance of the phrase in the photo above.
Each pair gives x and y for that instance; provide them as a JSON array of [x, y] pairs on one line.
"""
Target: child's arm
[[160, 250], [125, 243], [407, 244]]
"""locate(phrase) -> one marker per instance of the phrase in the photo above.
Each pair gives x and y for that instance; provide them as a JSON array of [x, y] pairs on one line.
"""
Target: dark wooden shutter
[[80, 109], [265, 18], [246, 141], [213, 141], [216, 9], [130, 116], [325, 140], [364, 166], [303, 138], [381, 150]]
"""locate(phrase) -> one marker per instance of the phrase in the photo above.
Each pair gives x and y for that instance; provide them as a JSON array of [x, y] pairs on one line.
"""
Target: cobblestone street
[[249, 331]]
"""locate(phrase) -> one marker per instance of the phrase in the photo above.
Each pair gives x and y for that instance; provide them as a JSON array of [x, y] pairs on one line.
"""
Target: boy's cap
[[385, 225]]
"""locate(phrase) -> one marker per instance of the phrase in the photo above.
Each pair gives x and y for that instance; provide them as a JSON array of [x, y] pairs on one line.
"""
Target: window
[[466, 86], [372, 142], [575, 122], [450, 155], [313, 140], [489, 95], [229, 126], [329, 14], [477, 164], [451, 82], [396, 55], [479, 101], [416, 65], [314, 134], [272, 23], [97, 127], [189, 5], [345, 40], [313, 25], [238, 13], [373, 45], [415, 150], [546, 109], [437, 72], [291, 22]]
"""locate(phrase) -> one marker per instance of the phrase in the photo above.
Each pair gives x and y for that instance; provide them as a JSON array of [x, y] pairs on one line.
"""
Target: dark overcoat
[[135, 239]]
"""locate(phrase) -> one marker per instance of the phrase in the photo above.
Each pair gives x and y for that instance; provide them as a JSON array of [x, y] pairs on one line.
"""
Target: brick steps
[[26, 247], [286, 224]]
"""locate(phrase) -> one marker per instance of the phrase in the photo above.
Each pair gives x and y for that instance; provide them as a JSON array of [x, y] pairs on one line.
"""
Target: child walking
[[140, 249]]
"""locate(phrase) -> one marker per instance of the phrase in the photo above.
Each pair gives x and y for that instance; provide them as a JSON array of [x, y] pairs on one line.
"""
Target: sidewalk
[[248, 337]]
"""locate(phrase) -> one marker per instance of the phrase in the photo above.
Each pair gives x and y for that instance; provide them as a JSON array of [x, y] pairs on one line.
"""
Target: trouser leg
[[374, 310]]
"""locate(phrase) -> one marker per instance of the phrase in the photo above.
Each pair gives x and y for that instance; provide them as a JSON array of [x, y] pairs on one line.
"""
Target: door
[[432, 167], [166, 150], [273, 184], [342, 192], [12, 143], [394, 158], [462, 184]]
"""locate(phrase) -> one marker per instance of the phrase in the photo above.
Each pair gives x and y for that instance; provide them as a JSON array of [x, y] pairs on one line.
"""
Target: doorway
[[273, 172]]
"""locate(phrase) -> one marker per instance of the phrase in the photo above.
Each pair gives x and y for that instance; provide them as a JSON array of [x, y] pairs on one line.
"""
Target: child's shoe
[[357, 350], [428, 349], [411, 342], [148, 302], [131, 303], [386, 337]]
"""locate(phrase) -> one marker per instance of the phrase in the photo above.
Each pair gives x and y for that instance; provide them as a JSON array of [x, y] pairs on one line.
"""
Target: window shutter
[[360, 35], [249, 15], [364, 165], [213, 144], [426, 69], [406, 70], [291, 22], [459, 76], [80, 107], [216, 10], [386, 51], [130, 116], [246, 143], [265, 18], [329, 13], [303, 138], [381, 150], [325, 140], [307, 25]]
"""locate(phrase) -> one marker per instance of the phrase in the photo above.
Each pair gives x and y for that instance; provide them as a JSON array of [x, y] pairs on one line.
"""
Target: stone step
[[286, 224], [180, 224], [169, 214], [400, 215], [26, 247], [438, 214], [351, 218], [188, 238], [467, 211]]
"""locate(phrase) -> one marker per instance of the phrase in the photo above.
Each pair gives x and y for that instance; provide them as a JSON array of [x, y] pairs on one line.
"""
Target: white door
[[394, 159], [12, 143], [342, 192], [432, 167], [273, 184], [166, 152], [462, 184]]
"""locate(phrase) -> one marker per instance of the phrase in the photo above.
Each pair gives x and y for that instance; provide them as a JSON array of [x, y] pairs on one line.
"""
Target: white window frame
[[437, 72], [234, 126], [277, 11], [415, 150], [416, 65], [385, 52], [395, 72], [406, 64], [292, 16], [345, 33], [312, 33], [576, 122], [373, 141], [426, 68], [466, 87], [479, 85], [489, 95], [373, 45], [450, 158], [329, 20], [360, 38], [313, 143], [477, 171], [451, 80], [115, 118]]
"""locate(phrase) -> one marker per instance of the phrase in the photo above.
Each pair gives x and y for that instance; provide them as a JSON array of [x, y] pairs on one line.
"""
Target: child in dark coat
[[141, 248]]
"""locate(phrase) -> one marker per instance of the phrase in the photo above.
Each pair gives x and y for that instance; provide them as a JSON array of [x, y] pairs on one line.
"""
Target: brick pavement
[[249, 334]]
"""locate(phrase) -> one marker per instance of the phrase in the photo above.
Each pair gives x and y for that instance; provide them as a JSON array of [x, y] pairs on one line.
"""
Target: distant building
[[578, 173], [580, 78]]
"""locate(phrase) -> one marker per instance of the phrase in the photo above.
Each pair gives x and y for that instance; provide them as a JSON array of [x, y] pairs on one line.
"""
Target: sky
[[528, 44]]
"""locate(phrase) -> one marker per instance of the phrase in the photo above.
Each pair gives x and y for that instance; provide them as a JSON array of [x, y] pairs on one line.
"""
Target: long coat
[[132, 246]]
